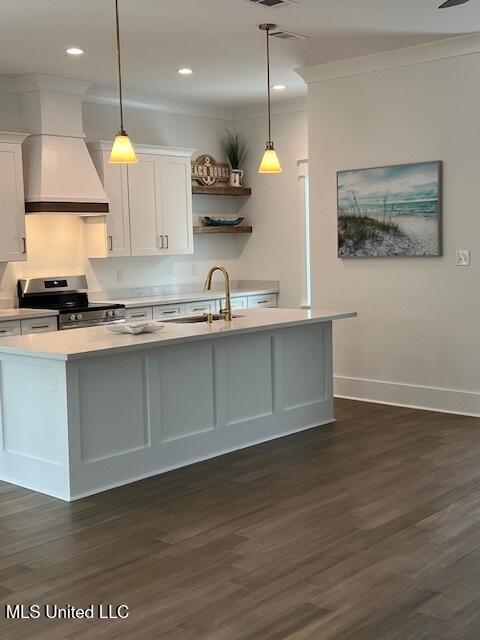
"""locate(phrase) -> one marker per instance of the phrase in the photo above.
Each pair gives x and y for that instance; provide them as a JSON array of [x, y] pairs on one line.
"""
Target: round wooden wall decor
[[207, 171]]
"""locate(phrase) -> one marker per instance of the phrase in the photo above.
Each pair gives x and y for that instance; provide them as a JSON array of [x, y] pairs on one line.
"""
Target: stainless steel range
[[68, 295]]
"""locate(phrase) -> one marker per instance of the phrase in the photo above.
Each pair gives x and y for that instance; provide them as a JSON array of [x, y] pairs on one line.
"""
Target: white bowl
[[135, 328]]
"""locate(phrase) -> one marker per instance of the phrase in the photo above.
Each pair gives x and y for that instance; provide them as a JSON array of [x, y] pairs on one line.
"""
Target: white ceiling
[[218, 38]]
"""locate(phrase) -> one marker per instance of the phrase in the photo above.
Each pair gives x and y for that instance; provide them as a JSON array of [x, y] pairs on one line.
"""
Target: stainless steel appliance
[[68, 295]]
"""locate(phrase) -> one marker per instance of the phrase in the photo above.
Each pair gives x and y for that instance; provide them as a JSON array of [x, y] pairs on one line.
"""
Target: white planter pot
[[236, 176]]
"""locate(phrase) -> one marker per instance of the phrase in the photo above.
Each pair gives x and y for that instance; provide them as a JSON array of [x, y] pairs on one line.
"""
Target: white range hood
[[60, 177]]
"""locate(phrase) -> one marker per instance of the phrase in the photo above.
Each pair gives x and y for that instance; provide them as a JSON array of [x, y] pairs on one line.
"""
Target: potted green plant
[[235, 148]]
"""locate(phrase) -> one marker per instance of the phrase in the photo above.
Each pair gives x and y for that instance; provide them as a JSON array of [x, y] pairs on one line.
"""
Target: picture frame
[[390, 211]]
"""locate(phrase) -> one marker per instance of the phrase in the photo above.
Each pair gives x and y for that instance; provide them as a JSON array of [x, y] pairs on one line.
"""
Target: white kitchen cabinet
[[10, 328], [150, 204], [238, 302], [38, 325], [203, 306], [145, 203], [138, 313], [267, 300], [13, 245], [176, 204], [168, 311], [109, 235]]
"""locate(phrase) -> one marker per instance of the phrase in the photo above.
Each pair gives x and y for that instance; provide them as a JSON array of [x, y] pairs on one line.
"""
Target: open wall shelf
[[221, 191], [221, 230]]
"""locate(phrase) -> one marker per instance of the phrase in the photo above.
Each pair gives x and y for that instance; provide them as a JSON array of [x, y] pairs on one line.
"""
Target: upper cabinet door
[[176, 197], [115, 182], [12, 204], [145, 207], [109, 236]]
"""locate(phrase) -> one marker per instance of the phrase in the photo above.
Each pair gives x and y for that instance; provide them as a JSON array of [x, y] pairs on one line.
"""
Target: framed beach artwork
[[390, 211]]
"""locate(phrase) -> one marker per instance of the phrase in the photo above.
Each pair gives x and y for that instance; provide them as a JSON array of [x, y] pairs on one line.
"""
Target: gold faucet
[[227, 312]]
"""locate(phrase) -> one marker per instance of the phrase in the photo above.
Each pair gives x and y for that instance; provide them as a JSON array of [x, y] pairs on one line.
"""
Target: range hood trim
[[60, 208]]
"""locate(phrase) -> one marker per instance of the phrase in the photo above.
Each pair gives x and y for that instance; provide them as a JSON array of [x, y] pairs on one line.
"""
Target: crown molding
[[408, 56], [278, 108], [150, 149], [93, 95], [153, 103], [41, 82]]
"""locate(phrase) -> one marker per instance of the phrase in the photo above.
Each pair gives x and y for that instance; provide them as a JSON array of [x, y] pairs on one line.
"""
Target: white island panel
[[122, 411], [249, 395], [33, 418], [186, 391], [112, 402]]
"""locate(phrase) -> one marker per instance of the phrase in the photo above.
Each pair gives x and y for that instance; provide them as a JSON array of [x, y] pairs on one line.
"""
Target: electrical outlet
[[120, 276], [464, 258]]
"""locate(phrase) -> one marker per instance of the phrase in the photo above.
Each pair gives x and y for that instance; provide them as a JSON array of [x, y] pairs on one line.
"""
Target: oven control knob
[[79, 316], [72, 317], [110, 314]]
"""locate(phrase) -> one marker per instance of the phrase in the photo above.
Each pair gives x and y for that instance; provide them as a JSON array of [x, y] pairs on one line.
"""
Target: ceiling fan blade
[[452, 3]]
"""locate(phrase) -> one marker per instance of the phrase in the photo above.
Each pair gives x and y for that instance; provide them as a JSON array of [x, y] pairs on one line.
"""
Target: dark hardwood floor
[[368, 529]]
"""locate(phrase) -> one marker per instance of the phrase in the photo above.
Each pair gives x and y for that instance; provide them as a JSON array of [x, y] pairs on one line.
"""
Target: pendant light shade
[[122, 150], [270, 162]]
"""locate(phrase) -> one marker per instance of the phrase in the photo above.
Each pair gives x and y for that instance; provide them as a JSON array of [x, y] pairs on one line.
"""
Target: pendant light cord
[[119, 64], [268, 88]]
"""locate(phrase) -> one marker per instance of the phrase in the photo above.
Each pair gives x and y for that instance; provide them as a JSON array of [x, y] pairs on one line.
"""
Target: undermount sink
[[194, 319]]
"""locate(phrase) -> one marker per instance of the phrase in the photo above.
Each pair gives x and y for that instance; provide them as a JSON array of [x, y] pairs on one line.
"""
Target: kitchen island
[[86, 410]]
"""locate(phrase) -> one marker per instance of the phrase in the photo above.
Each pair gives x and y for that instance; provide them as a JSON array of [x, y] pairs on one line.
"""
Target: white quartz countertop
[[179, 298], [96, 341], [25, 314]]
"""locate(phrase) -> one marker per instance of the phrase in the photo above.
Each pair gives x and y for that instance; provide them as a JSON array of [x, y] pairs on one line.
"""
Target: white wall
[[416, 340], [275, 248], [56, 244], [9, 111]]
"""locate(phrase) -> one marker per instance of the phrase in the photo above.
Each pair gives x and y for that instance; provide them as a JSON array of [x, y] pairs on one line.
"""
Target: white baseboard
[[466, 403]]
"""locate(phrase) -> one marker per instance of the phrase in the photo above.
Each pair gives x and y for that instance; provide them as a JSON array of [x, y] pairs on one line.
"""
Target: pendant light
[[270, 162], [122, 150]]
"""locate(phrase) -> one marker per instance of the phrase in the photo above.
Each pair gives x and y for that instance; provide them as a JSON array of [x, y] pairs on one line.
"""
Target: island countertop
[[81, 343]]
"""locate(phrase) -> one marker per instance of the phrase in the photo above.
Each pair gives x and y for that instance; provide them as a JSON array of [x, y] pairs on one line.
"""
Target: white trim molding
[[258, 110], [454, 401], [151, 149], [417, 54]]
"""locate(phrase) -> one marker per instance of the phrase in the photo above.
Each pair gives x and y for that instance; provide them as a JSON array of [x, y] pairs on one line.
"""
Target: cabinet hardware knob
[[110, 243], [166, 239], [24, 245], [160, 240]]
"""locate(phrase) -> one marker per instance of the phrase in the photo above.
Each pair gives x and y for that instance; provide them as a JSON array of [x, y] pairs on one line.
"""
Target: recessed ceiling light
[[185, 71], [75, 51], [279, 87]]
